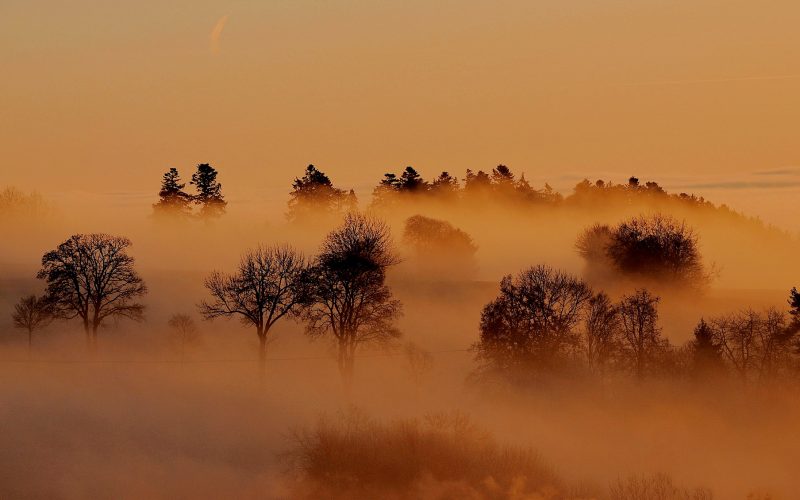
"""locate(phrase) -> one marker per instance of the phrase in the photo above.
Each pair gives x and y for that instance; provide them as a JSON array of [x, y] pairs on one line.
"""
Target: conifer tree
[[172, 199], [209, 191]]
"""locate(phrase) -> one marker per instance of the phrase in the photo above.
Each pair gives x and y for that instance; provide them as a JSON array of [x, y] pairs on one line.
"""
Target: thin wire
[[222, 360]]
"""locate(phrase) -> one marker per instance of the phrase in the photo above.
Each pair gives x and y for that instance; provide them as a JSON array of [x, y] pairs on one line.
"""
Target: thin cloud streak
[[710, 80], [216, 33]]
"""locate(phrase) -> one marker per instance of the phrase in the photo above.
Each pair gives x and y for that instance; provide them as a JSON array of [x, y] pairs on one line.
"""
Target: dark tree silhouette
[[503, 180], [530, 326], [173, 201], [479, 182], [706, 352], [183, 332], [440, 250], [269, 284], [32, 313], [91, 277], [411, 181], [209, 192], [656, 248], [351, 301], [445, 186], [794, 311], [755, 345], [643, 345], [602, 331], [314, 195]]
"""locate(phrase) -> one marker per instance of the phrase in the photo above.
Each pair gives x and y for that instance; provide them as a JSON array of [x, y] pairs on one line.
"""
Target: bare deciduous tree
[[754, 344], [601, 332], [32, 313], [642, 341], [351, 301], [184, 332], [418, 362], [91, 277], [269, 284]]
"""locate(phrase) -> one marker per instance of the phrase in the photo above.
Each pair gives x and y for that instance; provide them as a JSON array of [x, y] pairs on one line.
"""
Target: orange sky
[[701, 95]]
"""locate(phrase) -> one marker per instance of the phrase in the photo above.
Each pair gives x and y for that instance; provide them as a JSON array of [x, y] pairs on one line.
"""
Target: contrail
[[711, 80], [216, 33]]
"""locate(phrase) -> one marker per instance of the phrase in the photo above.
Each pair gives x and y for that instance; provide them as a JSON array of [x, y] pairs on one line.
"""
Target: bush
[[654, 248], [446, 453]]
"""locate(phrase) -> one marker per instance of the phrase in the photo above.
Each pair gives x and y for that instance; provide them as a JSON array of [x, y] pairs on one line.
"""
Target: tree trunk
[[346, 365], [30, 343], [95, 326], [262, 353]]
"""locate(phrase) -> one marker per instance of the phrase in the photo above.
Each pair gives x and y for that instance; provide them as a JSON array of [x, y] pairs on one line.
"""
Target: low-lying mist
[[143, 417]]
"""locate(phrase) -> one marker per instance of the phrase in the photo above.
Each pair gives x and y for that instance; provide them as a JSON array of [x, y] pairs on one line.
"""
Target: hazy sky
[[100, 96]]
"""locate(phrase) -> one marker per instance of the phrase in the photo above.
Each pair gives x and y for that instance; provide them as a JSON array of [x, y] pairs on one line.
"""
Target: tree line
[[543, 321], [314, 196], [547, 322]]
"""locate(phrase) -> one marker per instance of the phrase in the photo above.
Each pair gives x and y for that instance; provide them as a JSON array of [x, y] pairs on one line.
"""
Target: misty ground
[[134, 422]]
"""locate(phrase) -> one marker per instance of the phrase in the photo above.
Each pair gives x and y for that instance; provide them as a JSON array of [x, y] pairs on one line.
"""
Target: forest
[[479, 337]]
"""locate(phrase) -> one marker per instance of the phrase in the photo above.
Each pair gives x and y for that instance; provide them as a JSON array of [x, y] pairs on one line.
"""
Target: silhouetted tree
[[477, 182], [209, 191], [503, 179], [656, 248], [418, 362], [183, 332], [314, 195], [269, 284], [592, 245], [411, 181], [440, 249], [642, 341], [91, 277], [445, 186], [602, 330], [754, 344], [530, 326], [794, 311], [32, 313], [706, 352], [173, 201], [351, 301]]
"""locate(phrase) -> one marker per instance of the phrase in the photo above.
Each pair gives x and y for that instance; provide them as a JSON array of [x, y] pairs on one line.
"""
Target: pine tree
[[209, 191], [172, 199]]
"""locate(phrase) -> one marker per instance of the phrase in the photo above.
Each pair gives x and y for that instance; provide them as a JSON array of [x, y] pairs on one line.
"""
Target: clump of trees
[[655, 248], [91, 277], [314, 196], [756, 346], [500, 185], [440, 250], [350, 301], [175, 202], [545, 322], [15, 203]]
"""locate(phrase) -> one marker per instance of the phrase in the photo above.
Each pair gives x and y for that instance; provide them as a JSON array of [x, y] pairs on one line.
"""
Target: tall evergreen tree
[[172, 199], [209, 191]]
